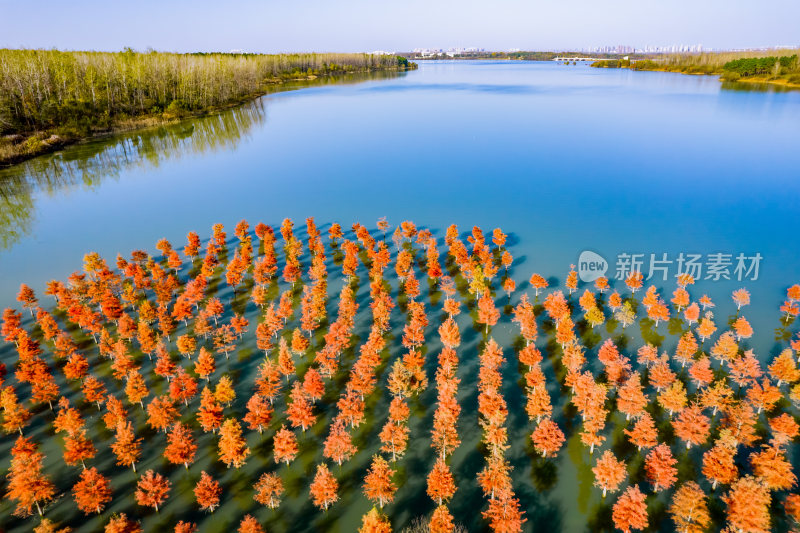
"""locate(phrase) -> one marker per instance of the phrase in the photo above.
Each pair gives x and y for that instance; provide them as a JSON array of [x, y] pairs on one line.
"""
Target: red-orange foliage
[[784, 368], [692, 426], [185, 527], [609, 472], [378, 485], [233, 450], [15, 416], [152, 490], [250, 525], [771, 467], [269, 488], [449, 333], [441, 520], [284, 445], [207, 492], [374, 522], [183, 387], [644, 434], [161, 413], [504, 514], [784, 429], [205, 365], [313, 386], [324, 487], [259, 412], [78, 448], [488, 314], [122, 524], [339, 445], [547, 437], [126, 447], [181, 447], [748, 505], [210, 412], [27, 484], [299, 411], [689, 509], [660, 468], [441, 485], [136, 389], [631, 399], [92, 491], [630, 511]]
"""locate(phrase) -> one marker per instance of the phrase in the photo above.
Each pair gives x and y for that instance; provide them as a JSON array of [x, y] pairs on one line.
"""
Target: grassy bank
[[49, 98], [781, 68]]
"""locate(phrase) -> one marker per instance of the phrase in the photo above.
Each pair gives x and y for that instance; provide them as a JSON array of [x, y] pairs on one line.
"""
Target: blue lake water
[[565, 158], [562, 158]]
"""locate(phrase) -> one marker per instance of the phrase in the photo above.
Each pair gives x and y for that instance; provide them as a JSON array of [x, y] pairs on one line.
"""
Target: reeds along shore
[[73, 94], [777, 67]]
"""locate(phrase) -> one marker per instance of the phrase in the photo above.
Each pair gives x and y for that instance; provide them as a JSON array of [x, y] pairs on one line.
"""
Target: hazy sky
[[366, 25]]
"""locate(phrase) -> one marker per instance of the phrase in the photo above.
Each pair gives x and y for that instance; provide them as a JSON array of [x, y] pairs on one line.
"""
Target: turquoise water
[[563, 158]]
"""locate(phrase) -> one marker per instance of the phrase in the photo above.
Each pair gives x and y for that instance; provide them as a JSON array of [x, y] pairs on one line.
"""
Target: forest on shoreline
[[49, 98], [781, 68]]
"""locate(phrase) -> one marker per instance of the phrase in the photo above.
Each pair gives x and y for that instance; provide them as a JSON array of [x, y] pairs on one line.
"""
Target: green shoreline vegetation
[[782, 69], [50, 98]]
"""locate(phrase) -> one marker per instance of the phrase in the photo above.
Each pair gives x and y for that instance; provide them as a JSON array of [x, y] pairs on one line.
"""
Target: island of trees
[[751, 66], [50, 97], [281, 373]]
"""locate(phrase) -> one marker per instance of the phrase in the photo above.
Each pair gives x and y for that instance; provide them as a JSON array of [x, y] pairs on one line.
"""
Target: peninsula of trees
[[750, 66], [50, 97]]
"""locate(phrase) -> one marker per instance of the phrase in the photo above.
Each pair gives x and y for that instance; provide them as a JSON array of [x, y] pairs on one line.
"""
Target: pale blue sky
[[366, 25]]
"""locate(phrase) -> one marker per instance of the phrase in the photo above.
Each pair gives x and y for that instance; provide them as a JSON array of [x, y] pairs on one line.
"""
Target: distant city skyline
[[359, 25]]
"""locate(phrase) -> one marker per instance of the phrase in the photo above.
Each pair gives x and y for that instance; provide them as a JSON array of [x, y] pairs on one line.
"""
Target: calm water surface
[[563, 158]]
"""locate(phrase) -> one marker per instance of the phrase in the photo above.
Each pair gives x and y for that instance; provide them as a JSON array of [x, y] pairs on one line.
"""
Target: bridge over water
[[576, 59]]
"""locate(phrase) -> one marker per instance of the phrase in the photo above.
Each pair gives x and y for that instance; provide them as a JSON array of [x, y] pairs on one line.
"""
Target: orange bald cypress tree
[[181, 447], [152, 490], [748, 505], [660, 468], [269, 488], [487, 312], [441, 520], [689, 509], [250, 525], [378, 485], [126, 447], [324, 488], [259, 412], [609, 472], [27, 484], [374, 522], [284, 445], [207, 492], [122, 524], [692, 426], [92, 491], [644, 434], [185, 527], [233, 450], [339, 445], [630, 511], [547, 437], [441, 485]]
